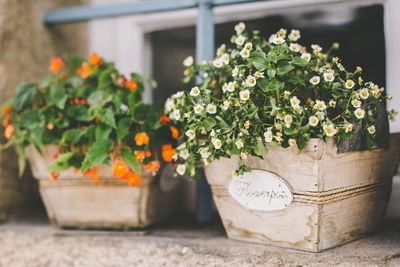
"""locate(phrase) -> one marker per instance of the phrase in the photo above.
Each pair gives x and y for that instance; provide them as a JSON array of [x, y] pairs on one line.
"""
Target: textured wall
[[26, 47]]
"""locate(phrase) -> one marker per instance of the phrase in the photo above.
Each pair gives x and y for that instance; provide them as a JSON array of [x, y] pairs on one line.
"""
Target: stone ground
[[35, 242]]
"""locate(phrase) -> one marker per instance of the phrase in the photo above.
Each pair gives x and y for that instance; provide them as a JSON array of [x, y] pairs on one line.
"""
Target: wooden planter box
[[75, 201], [337, 198]]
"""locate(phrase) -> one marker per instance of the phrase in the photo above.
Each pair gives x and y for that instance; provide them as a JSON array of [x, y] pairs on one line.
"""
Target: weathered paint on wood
[[337, 197], [76, 201]]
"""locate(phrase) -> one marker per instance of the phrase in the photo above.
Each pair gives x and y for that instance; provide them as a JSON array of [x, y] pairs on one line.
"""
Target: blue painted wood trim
[[82, 13], [204, 51]]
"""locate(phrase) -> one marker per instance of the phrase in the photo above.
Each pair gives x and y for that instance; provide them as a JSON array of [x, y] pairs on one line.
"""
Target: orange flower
[[139, 155], [50, 126], [6, 110], [54, 176], [174, 132], [164, 119], [120, 168], [82, 102], [9, 131], [92, 172], [6, 120], [85, 70], [56, 64], [55, 157], [95, 59], [168, 152], [132, 178], [132, 85], [141, 139], [63, 76], [152, 166]]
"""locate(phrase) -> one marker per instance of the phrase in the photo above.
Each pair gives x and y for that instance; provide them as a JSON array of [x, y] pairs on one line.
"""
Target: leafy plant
[[268, 92], [93, 114]]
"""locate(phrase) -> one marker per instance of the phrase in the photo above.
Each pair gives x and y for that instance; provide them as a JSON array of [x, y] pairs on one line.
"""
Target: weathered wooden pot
[[311, 201], [75, 201]]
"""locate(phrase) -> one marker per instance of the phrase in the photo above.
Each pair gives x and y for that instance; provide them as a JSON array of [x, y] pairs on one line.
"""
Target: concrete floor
[[36, 243]]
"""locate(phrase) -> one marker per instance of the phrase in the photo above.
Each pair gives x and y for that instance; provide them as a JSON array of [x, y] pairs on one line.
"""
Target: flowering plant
[[268, 92], [94, 115]]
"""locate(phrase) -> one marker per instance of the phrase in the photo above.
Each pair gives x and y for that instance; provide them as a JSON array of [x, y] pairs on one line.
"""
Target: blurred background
[[156, 44]]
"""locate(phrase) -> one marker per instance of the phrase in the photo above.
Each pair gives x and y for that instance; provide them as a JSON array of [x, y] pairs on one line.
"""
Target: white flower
[[316, 48], [306, 56], [177, 114], [205, 153], [231, 86], [259, 74], [180, 169], [268, 136], [240, 40], [248, 46], [225, 87], [330, 130], [226, 105], [340, 66], [225, 58], [243, 155], [349, 84], [212, 133], [245, 53], [251, 81], [124, 108], [217, 63], [239, 28], [295, 102], [292, 142], [190, 134], [278, 40], [320, 105], [329, 76], [235, 72], [332, 103], [320, 115], [288, 119], [371, 129], [359, 113], [315, 80], [198, 109], [349, 128], [177, 95], [211, 108], [356, 103], [169, 104], [272, 38], [313, 121], [188, 61], [364, 94], [217, 143], [244, 95], [239, 144], [294, 47], [184, 154], [294, 35], [195, 91]]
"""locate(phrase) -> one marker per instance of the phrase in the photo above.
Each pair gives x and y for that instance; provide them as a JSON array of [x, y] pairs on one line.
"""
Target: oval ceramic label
[[261, 190]]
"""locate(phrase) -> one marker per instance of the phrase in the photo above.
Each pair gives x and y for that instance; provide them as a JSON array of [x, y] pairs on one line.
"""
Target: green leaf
[[56, 96], [298, 61], [129, 159], [61, 122], [72, 136], [123, 128], [103, 131], [79, 112], [97, 153], [271, 73], [50, 137], [31, 119], [284, 69], [107, 116], [269, 85], [21, 159], [258, 60], [141, 111], [105, 79], [260, 149], [24, 94], [62, 163], [209, 123]]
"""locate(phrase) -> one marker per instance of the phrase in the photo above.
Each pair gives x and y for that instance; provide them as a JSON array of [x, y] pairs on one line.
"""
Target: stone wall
[[26, 46]]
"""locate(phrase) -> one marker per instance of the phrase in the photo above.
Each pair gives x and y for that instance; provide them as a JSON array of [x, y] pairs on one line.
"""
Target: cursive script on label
[[245, 188]]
